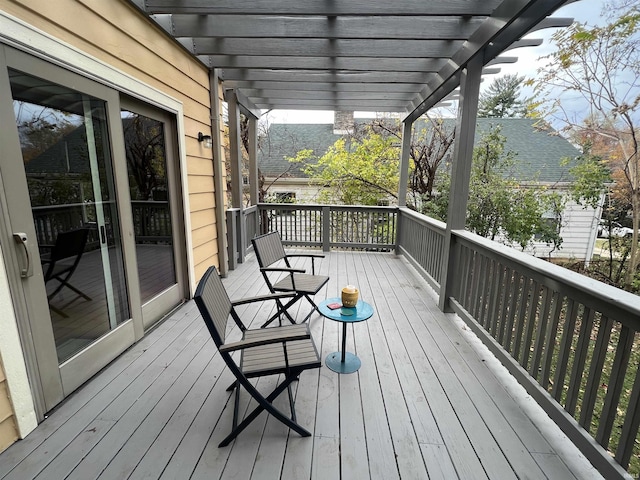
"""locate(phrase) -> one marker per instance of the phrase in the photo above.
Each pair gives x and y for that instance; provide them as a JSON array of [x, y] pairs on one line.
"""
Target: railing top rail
[[318, 206], [596, 293], [422, 219], [250, 210]]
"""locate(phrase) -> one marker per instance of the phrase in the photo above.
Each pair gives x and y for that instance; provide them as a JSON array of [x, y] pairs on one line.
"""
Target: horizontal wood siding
[[8, 430], [116, 33]]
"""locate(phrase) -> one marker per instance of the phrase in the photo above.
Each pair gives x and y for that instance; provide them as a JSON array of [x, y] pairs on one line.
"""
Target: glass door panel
[[145, 146], [67, 162]]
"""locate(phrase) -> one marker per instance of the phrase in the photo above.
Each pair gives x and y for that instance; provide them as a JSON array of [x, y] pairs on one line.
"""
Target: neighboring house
[[538, 161]]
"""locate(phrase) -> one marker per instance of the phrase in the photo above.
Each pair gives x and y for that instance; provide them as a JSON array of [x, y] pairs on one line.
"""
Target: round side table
[[344, 362]]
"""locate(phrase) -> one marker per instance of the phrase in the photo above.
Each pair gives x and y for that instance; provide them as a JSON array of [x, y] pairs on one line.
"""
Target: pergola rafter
[[403, 56]]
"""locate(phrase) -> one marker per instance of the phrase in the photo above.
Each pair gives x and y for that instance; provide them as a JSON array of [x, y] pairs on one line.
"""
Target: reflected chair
[[61, 263], [287, 350], [270, 252]]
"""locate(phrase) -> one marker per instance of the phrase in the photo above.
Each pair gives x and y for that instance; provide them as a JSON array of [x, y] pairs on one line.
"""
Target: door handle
[[26, 269]]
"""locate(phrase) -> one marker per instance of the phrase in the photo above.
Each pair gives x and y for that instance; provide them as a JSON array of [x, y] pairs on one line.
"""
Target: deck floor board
[[428, 402]]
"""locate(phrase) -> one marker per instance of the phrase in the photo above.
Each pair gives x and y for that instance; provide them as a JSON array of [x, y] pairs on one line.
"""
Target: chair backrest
[[69, 244], [214, 304], [269, 249]]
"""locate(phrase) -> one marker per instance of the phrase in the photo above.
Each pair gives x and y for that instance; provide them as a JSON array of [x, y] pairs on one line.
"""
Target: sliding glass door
[[91, 230], [151, 167]]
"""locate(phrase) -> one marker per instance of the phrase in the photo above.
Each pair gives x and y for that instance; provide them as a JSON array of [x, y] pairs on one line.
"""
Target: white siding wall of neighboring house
[[578, 233], [303, 190]]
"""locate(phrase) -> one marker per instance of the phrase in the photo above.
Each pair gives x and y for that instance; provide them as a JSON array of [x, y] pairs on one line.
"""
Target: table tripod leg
[[344, 340]]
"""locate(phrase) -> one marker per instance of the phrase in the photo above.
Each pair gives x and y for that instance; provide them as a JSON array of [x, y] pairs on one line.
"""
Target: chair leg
[[265, 404], [65, 283], [282, 309], [314, 308], [291, 405], [58, 311]]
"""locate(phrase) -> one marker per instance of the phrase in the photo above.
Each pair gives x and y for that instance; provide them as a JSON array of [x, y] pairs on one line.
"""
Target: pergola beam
[[323, 7], [316, 47], [510, 21], [364, 64], [402, 46], [263, 26]]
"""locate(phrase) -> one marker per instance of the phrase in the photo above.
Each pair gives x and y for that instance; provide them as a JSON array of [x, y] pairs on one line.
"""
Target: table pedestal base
[[334, 362]]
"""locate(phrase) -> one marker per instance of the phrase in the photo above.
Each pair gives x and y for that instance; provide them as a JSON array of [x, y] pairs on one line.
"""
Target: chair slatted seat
[[270, 252], [286, 350]]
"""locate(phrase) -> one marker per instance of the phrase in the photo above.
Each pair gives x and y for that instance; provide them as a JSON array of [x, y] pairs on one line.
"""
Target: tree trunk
[[633, 256]]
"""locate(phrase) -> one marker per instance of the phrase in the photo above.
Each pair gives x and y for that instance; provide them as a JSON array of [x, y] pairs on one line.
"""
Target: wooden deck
[[428, 402]]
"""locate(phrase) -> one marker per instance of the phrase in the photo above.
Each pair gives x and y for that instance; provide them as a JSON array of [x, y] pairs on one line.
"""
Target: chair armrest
[[261, 298], [312, 256], [269, 336], [282, 269], [290, 271]]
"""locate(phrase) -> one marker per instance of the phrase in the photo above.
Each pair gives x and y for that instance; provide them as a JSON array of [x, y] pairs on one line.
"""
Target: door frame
[[56, 381], [65, 378], [154, 309]]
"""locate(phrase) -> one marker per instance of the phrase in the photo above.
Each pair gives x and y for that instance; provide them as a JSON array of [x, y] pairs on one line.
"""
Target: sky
[[588, 11]]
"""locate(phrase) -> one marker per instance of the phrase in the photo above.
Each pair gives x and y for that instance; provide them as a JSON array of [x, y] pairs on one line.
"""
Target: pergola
[[404, 56]]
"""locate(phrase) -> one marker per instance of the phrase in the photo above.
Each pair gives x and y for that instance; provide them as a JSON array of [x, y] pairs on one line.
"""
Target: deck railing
[[571, 341], [421, 240], [151, 221], [332, 226]]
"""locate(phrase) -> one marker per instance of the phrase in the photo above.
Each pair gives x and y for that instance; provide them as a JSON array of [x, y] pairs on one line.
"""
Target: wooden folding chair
[[269, 252], [62, 261], [287, 350]]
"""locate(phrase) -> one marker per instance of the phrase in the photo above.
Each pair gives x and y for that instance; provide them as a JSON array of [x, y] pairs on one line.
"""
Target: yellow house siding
[[117, 34], [8, 430]]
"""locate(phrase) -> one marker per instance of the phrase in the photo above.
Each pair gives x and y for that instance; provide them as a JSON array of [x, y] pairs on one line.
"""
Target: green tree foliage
[[590, 174], [498, 207], [356, 171], [601, 65], [503, 99], [430, 145]]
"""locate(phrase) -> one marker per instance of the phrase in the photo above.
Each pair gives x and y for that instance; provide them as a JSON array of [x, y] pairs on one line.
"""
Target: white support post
[[461, 171]]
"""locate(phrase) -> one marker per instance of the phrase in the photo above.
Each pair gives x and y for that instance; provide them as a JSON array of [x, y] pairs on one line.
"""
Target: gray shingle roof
[[539, 153]]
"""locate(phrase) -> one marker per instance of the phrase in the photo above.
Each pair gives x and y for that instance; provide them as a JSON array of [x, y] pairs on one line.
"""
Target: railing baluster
[[494, 298], [550, 341], [565, 349], [532, 313], [477, 282], [616, 383], [543, 316], [579, 360], [595, 371], [626, 446], [516, 293]]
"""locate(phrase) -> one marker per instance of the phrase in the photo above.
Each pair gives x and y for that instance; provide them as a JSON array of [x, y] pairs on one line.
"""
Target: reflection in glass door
[[146, 154], [67, 162]]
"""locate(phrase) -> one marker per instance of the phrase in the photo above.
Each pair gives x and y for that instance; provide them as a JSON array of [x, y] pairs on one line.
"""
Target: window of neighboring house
[[245, 180], [285, 197], [551, 222]]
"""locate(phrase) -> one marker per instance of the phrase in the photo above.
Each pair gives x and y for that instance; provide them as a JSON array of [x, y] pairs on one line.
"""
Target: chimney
[[343, 123]]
